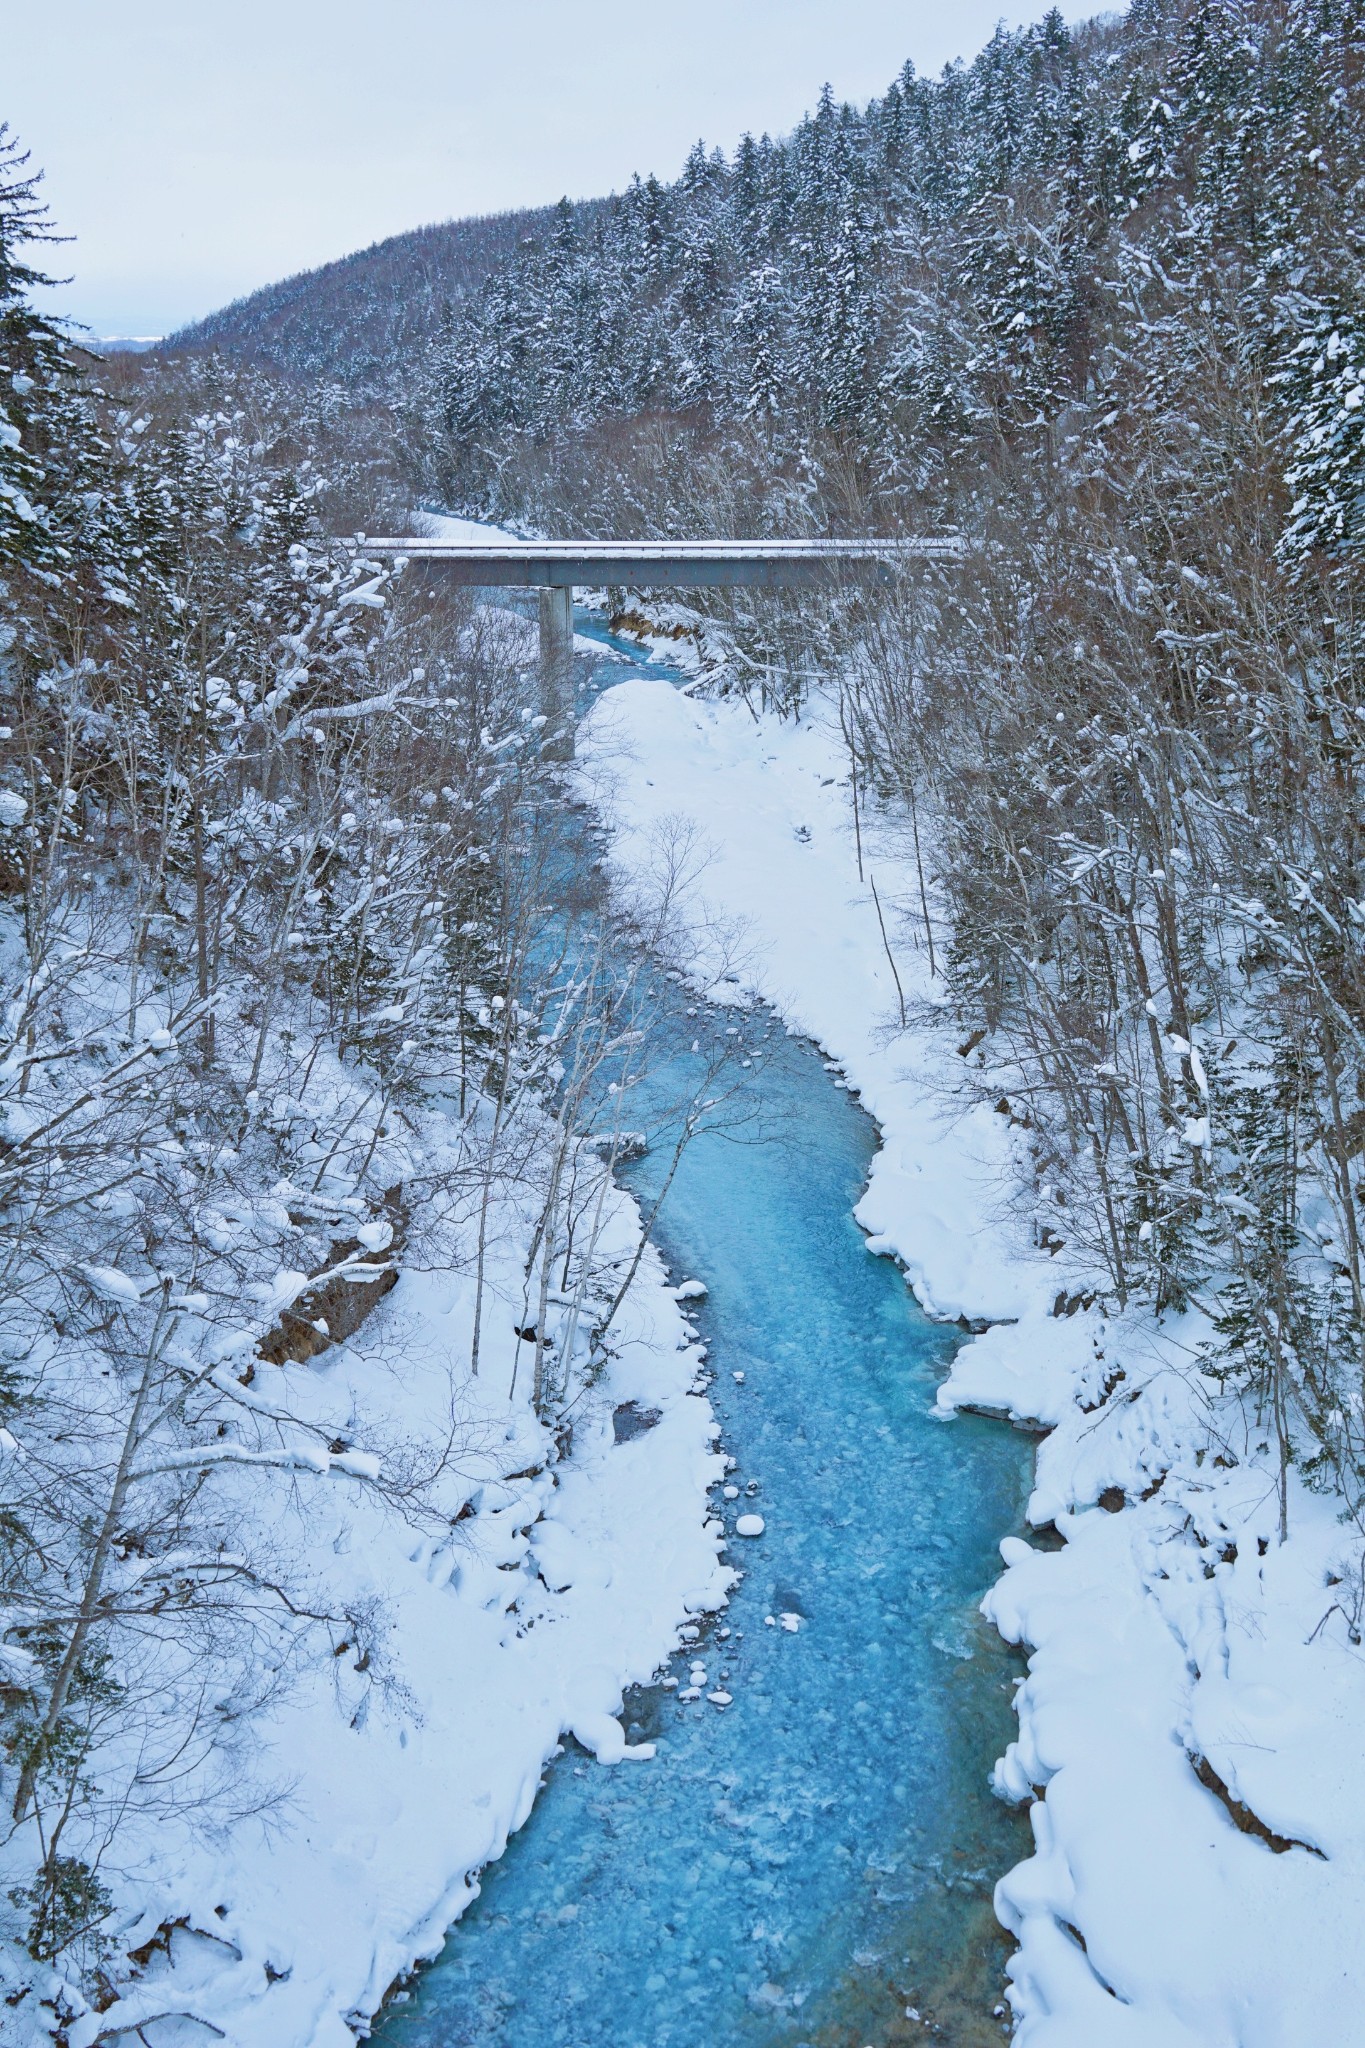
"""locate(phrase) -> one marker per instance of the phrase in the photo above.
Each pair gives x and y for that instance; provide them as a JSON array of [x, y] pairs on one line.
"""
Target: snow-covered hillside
[[536, 1581], [318, 1299]]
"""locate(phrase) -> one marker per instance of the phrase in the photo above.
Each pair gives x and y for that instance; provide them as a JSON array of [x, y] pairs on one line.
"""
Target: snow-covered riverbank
[[1189, 1730], [558, 1582]]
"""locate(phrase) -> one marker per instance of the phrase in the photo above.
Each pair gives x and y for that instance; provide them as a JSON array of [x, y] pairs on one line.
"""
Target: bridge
[[556, 567]]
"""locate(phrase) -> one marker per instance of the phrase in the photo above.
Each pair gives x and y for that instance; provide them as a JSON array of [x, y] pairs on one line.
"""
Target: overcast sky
[[199, 148]]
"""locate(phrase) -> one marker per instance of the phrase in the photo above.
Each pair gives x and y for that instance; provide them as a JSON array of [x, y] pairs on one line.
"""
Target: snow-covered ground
[[450, 526], [1192, 1687], [553, 1577]]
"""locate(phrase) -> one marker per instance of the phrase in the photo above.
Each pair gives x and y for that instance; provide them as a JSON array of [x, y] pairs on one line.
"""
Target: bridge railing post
[[556, 670]]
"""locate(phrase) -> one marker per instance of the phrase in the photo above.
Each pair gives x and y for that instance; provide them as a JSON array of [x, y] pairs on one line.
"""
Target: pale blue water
[[803, 1865]]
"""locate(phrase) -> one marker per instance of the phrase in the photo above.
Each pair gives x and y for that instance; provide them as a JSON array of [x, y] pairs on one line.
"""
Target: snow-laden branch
[[289, 1284], [297, 1458], [366, 707]]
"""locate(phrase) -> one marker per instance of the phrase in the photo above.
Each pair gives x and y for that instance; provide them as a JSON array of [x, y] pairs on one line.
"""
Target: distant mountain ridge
[[358, 318]]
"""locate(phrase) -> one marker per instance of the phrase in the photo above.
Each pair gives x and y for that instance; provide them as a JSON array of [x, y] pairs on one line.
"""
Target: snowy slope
[[1171, 1629], [563, 1580]]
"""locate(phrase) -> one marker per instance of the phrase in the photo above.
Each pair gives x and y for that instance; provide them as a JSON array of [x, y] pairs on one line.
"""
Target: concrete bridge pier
[[556, 669], [554, 567]]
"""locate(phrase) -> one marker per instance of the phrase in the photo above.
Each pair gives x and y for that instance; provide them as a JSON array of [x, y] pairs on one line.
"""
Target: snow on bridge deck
[[677, 564]]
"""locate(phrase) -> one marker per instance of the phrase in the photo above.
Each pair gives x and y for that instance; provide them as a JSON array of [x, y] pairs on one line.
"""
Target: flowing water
[[812, 1864]]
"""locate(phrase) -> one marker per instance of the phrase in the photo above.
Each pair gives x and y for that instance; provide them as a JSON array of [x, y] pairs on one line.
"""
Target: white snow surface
[[566, 1581], [450, 526], [1171, 1626]]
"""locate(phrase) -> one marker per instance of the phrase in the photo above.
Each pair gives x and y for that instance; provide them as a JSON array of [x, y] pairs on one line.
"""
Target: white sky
[[199, 148]]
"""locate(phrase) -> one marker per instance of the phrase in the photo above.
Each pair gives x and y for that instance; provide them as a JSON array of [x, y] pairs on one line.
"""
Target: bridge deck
[[677, 564]]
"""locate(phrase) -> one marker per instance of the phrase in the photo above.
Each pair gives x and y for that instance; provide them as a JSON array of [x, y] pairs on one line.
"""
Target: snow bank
[[562, 1580], [1189, 1729], [449, 526]]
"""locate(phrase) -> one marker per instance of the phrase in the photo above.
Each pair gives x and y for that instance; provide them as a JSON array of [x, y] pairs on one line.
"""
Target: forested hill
[[956, 266], [959, 259], [361, 318]]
